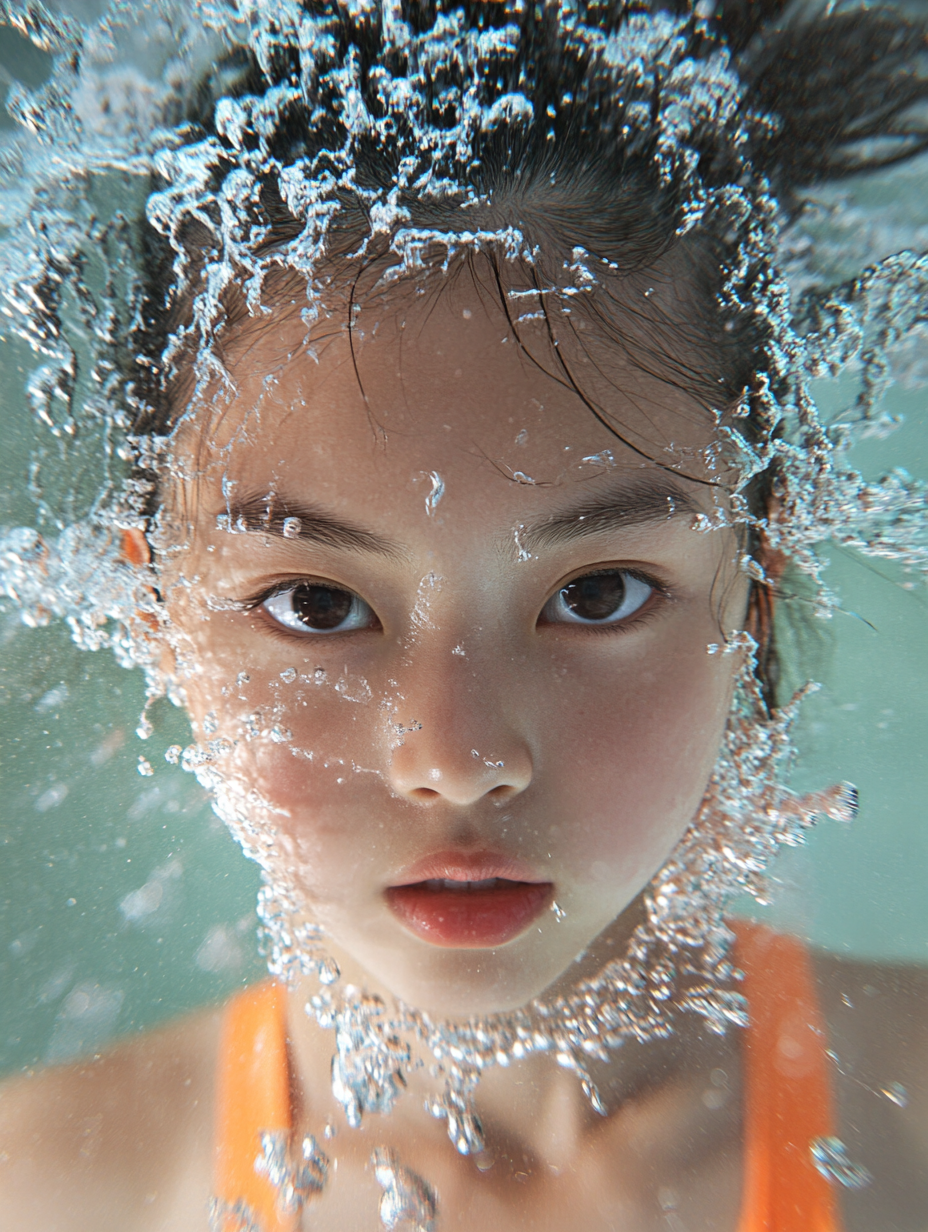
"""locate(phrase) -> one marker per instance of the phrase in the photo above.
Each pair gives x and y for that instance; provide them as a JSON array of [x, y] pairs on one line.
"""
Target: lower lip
[[472, 918]]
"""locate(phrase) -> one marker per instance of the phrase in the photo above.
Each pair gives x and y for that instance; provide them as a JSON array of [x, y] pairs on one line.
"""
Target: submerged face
[[458, 634]]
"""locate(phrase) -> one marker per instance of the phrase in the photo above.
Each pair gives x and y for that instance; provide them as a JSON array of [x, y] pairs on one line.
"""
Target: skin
[[595, 746], [487, 725]]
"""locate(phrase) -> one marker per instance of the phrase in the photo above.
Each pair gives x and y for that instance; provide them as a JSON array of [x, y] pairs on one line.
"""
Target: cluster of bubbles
[[111, 118], [677, 959]]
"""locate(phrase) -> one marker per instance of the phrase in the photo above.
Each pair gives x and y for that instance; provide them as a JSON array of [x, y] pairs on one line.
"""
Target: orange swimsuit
[[787, 1093]]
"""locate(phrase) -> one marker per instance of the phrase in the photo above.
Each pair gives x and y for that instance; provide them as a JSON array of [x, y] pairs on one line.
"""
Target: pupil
[[321, 607], [595, 597]]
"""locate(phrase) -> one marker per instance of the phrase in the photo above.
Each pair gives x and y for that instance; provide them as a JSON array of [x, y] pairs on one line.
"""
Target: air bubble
[[408, 1203], [830, 1157], [896, 1093], [145, 767], [329, 972], [437, 492]]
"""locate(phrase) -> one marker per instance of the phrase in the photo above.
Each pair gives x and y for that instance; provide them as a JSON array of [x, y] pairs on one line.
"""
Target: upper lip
[[468, 866]]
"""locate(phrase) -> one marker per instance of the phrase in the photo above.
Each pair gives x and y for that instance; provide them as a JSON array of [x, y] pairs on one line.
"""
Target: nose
[[463, 742]]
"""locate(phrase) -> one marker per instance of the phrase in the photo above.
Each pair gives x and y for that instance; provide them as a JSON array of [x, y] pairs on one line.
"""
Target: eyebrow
[[267, 513], [635, 504]]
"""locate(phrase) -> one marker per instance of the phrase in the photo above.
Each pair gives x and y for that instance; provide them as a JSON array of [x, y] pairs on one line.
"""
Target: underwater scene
[[464, 678]]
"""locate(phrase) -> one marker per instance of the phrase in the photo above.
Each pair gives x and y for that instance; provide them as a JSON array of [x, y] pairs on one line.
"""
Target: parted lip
[[468, 899], [466, 866]]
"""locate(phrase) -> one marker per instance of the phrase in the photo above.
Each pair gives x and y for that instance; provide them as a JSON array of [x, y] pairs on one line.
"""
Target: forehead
[[448, 387]]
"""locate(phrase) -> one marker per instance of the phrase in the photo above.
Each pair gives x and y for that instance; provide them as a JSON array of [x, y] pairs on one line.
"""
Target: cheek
[[312, 759], [630, 760]]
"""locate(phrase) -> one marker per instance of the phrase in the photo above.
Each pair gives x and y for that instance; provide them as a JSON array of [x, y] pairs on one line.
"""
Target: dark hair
[[840, 80]]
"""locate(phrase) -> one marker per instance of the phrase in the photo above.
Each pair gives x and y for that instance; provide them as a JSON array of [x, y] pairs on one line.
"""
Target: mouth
[[466, 910]]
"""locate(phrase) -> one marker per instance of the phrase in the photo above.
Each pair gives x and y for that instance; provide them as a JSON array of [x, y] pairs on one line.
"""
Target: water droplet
[[210, 723], [559, 912], [144, 729], [328, 971], [408, 1202], [292, 528], [172, 754], [830, 1157], [437, 492], [145, 767], [523, 555], [897, 1093], [295, 1180], [604, 458], [288, 675], [458, 650]]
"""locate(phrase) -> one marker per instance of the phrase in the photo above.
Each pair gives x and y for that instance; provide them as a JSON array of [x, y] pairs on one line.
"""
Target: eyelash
[[254, 604], [649, 611]]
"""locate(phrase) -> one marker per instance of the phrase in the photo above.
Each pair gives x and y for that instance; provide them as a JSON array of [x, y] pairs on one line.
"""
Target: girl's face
[[462, 640]]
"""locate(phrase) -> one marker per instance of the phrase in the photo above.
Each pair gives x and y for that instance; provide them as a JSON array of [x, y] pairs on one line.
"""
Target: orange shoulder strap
[[788, 1098], [253, 1095]]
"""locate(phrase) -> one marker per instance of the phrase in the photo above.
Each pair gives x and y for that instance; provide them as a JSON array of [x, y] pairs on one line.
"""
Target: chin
[[470, 983]]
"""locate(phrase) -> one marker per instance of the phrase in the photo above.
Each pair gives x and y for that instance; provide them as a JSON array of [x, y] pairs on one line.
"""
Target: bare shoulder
[[120, 1142], [877, 1016]]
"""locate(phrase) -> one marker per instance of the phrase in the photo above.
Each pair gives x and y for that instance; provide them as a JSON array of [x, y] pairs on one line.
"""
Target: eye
[[604, 598], [312, 607]]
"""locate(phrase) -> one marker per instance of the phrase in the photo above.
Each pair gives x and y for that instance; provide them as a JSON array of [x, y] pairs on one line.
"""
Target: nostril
[[502, 792], [424, 793]]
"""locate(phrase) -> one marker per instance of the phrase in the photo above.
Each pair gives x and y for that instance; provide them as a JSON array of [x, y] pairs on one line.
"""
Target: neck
[[534, 1109]]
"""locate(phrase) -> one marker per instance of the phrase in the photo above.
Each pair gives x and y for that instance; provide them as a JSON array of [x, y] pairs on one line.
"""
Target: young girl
[[472, 438]]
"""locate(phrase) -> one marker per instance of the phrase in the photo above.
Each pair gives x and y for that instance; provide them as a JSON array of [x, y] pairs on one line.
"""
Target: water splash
[[89, 143], [104, 118]]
